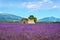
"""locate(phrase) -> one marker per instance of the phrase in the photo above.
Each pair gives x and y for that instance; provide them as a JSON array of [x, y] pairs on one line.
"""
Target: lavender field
[[17, 31]]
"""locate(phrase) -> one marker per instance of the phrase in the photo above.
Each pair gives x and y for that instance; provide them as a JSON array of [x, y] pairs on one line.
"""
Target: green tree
[[8, 20], [32, 17], [35, 19], [16, 21]]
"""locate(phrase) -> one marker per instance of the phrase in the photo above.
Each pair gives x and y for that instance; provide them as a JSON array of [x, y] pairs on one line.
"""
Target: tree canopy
[[32, 17]]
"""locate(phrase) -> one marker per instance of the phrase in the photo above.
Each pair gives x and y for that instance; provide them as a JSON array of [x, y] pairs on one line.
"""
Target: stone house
[[31, 21], [28, 21], [24, 21]]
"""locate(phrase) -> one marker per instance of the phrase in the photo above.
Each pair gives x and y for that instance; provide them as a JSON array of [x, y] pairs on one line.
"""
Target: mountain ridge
[[49, 19], [4, 17]]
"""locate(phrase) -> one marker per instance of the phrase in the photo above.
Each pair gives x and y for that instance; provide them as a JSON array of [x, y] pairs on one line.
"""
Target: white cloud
[[1, 12], [31, 5], [11, 4], [56, 6], [46, 0], [40, 2], [44, 4], [38, 5]]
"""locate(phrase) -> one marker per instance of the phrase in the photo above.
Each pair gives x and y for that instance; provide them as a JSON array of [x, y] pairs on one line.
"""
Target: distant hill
[[49, 19], [9, 17], [5, 17]]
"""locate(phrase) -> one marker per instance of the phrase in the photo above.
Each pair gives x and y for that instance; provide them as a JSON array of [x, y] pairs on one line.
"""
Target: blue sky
[[24, 8]]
